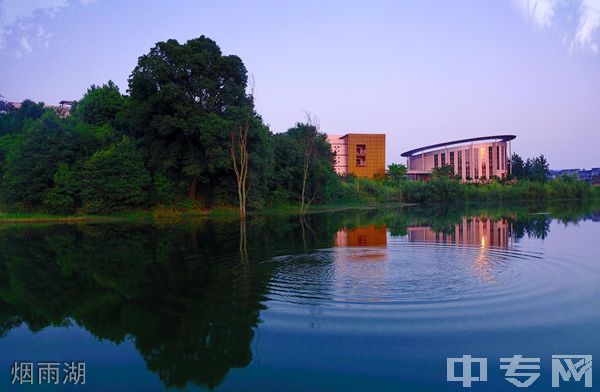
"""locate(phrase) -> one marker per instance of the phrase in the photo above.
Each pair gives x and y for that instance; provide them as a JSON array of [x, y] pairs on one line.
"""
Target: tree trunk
[[239, 160], [192, 187]]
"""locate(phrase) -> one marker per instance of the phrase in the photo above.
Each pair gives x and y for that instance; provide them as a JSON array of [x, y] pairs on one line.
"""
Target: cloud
[[546, 14], [539, 12], [589, 25], [24, 42], [20, 21]]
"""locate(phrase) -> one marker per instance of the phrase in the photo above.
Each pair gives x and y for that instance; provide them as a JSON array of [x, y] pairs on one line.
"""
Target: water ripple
[[434, 285]]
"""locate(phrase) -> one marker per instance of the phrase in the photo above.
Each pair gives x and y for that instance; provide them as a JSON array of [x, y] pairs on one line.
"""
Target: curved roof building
[[474, 159]]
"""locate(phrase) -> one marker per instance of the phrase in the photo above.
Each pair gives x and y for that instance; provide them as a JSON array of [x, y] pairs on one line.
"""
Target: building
[[592, 175], [475, 159], [359, 154], [63, 109]]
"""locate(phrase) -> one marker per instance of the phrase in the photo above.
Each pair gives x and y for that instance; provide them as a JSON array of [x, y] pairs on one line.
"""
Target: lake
[[351, 300]]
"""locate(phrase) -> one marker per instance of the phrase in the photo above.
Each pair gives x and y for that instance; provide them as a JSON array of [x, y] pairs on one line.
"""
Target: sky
[[421, 71]]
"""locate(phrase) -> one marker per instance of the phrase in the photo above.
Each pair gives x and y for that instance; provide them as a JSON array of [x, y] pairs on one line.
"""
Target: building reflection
[[481, 232], [360, 263], [363, 236], [370, 235], [477, 231]]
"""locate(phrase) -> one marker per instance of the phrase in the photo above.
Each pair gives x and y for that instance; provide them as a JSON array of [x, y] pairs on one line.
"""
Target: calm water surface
[[355, 300]]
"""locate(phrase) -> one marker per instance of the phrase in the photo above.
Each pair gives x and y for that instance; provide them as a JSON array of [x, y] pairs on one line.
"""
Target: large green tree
[[101, 104], [114, 179], [13, 120], [517, 166], [186, 100], [289, 156], [44, 145]]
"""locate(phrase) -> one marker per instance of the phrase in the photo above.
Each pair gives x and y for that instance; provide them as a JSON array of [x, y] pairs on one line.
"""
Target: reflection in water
[[198, 308], [355, 247], [370, 235], [478, 231], [190, 296], [363, 236]]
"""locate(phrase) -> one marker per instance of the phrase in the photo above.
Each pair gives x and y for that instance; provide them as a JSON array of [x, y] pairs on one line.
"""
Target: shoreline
[[158, 215]]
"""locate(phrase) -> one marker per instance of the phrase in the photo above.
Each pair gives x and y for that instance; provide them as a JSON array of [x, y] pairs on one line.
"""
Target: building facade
[[359, 154], [476, 159]]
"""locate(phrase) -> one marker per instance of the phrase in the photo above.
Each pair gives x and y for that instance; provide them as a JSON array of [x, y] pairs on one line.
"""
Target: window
[[443, 158], [467, 163], [452, 159], [476, 164], [459, 156], [483, 170], [361, 155], [491, 160], [435, 161], [498, 157]]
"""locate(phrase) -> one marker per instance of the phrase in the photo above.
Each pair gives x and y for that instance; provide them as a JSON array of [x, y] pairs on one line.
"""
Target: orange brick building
[[359, 154]]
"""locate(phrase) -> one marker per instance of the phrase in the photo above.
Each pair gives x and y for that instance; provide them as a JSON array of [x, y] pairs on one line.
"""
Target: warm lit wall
[[339, 146], [478, 156], [374, 154]]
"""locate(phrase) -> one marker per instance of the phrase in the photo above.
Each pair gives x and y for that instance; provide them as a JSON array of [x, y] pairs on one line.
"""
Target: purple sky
[[422, 71]]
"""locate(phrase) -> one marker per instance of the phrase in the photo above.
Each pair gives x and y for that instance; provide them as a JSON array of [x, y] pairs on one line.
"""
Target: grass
[[170, 214], [354, 193]]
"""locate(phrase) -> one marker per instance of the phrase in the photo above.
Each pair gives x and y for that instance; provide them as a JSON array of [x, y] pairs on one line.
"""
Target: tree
[[539, 169], [186, 98], [5, 106], [115, 179], [13, 120], [396, 172], [444, 171], [517, 167], [534, 169], [65, 195], [239, 160], [45, 144], [308, 163], [290, 151], [101, 104]]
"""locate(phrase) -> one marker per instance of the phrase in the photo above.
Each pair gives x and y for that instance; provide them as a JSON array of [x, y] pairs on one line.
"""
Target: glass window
[[491, 160], [498, 157]]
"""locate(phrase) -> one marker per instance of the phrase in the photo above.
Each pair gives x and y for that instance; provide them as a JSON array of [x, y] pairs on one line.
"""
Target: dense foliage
[[534, 169], [165, 142], [169, 142]]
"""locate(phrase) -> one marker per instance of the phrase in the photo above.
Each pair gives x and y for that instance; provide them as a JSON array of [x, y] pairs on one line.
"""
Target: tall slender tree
[[310, 155], [239, 160]]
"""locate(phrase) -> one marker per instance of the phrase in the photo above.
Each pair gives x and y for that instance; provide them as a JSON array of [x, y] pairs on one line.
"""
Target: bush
[[115, 179], [64, 197]]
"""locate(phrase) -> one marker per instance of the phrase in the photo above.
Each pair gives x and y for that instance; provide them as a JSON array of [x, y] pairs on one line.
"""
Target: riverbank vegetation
[[186, 137]]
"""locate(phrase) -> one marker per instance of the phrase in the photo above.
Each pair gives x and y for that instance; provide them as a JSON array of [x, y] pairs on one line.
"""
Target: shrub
[[115, 179]]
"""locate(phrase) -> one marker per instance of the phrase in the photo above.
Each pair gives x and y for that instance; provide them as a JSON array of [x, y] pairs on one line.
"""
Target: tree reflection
[[190, 310], [189, 295]]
